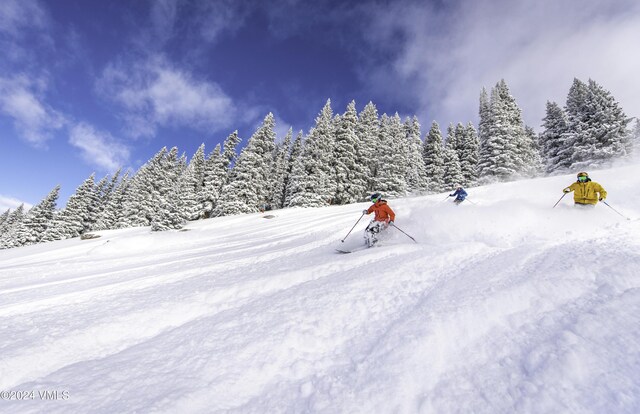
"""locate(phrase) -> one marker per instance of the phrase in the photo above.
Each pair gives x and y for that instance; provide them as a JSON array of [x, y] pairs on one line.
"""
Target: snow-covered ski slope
[[505, 306]]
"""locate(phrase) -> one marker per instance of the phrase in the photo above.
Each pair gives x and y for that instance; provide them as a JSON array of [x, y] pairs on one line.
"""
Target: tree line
[[341, 160]]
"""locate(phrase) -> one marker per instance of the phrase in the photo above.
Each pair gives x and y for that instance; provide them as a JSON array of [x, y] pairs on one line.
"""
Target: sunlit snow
[[503, 306]]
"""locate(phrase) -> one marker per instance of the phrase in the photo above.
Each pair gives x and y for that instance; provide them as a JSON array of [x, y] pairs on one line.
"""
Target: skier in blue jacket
[[459, 194]]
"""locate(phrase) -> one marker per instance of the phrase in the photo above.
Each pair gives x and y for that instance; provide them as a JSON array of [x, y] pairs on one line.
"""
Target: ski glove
[[365, 211], [566, 190], [601, 198]]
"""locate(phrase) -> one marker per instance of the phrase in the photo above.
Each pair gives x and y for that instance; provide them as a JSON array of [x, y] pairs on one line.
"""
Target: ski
[[345, 251]]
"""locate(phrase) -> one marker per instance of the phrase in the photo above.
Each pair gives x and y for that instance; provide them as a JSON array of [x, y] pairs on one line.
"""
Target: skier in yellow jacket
[[585, 191]]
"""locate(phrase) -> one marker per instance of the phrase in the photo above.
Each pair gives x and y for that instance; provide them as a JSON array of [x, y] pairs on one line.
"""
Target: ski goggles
[[583, 178]]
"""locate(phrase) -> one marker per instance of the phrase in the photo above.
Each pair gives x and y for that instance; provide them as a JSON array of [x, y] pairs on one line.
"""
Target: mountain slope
[[503, 306]]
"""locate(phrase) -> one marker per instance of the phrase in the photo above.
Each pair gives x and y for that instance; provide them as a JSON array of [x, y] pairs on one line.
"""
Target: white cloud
[[17, 15], [7, 202], [98, 148], [156, 94], [448, 54], [32, 118]]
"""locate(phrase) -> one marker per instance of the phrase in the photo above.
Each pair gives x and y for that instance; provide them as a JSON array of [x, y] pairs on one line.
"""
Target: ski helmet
[[583, 177], [375, 197]]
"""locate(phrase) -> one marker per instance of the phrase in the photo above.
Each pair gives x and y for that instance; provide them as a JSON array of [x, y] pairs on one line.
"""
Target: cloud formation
[[11, 203], [444, 55], [33, 119], [155, 94], [98, 148]]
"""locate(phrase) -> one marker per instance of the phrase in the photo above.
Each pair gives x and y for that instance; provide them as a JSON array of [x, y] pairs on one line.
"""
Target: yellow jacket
[[586, 193]]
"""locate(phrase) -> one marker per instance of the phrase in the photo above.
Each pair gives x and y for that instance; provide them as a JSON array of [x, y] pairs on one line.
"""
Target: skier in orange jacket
[[384, 216]]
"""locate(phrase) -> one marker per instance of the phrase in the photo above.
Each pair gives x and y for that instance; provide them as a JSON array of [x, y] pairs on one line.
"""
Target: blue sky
[[88, 86]]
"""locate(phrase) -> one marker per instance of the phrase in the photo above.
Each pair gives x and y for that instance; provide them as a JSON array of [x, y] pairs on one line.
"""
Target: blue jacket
[[459, 193]]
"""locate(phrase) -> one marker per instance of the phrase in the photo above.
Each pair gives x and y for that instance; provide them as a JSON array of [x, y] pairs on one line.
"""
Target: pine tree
[[452, 172], [215, 177], [315, 182], [295, 172], [485, 116], [111, 212], [574, 141], [3, 219], [229, 147], [104, 192], [192, 180], [350, 176], [609, 125], [73, 220], [142, 195], [452, 137], [392, 162], [35, 222], [368, 132], [248, 189], [468, 153], [279, 177], [7, 230], [416, 178], [555, 126], [506, 151], [635, 138], [433, 155]]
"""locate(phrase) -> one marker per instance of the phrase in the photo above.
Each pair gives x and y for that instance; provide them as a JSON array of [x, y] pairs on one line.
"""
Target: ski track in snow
[[503, 306]]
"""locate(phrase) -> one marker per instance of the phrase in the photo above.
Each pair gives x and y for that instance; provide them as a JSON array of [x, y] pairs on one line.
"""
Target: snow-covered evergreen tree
[[433, 154], [485, 116], [635, 140], [280, 177], [173, 210], [452, 173], [141, 198], [229, 149], [215, 177], [296, 170], [368, 132], [104, 192], [468, 153], [391, 156], [350, 175], [108, 218], [416, 178], [555, 126], [248, 188], [73, 220], [452, 137], [3, 219], [506, 151], [35, 222], [7, 234], [597, 127], [192, 180], [314, 178]]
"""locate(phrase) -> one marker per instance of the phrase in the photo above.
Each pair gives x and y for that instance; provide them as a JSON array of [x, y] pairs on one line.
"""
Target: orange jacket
[[383, 211]]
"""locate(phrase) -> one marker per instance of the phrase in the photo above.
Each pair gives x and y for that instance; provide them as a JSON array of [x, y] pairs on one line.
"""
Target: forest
[[342, 159]]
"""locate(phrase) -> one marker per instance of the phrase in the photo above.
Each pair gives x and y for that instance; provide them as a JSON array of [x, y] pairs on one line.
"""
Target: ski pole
[[403, 232], [470, 201], [354, 226], [554, 206], [607, 204]]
